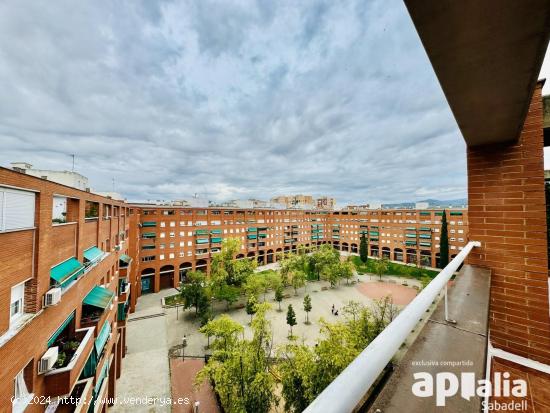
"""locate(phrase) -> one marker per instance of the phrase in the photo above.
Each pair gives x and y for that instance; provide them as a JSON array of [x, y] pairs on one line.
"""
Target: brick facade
[[29, 254], [507, 211]]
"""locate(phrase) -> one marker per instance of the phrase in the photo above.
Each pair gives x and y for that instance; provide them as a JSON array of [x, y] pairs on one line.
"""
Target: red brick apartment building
[[63, 294], [173, 240]]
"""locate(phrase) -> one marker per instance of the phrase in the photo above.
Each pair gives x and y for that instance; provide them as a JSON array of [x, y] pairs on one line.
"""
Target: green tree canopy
[[290, 318]]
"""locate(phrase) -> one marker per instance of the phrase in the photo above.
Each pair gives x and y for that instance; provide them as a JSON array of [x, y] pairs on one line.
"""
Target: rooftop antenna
[[72, 155]]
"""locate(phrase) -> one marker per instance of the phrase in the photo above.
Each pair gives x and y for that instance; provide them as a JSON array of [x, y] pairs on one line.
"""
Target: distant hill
[[433, 203]]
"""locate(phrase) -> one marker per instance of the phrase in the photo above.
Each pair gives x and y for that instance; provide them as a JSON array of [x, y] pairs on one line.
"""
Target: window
[[148, 258], [91, 210], [16, 209], [16, 302], [22, 396]]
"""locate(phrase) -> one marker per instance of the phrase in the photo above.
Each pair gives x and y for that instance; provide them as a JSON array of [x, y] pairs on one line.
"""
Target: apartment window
[[162, 234], [161, 256], [148, 258], [16, 209], [16, 302], [21, 393], [172, 223], [91, 210], [162, 224], [106, 211], [172, 234], [171, 255]]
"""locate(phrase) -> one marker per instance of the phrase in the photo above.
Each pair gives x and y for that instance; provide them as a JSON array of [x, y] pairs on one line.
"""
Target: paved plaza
[[154, 331]]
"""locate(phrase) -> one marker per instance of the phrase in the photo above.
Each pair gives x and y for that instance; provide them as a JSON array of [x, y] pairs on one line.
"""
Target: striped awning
[[99, 297], [66, 271]]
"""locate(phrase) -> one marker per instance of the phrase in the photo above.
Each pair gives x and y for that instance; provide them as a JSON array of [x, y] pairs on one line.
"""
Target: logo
[[448, 385]]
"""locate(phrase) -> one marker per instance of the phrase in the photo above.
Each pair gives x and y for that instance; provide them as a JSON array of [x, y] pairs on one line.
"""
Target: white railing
[[347, 391]]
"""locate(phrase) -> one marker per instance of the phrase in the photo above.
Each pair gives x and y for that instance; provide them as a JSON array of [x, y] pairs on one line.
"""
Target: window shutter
[[18, 209]]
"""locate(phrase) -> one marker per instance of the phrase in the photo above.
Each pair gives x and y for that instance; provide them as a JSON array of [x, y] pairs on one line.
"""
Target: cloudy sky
[[228, 99]]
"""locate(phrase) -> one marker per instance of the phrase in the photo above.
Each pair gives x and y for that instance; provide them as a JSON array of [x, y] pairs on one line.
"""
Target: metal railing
[[347, 391]]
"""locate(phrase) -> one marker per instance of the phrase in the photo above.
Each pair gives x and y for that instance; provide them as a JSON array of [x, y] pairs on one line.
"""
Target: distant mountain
[[433, 203]]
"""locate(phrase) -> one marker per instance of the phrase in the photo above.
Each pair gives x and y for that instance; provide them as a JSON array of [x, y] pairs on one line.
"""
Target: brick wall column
[[507, 214]]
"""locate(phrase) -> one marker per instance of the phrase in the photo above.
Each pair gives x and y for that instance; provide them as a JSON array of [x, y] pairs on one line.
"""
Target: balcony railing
[[348, 390], [60, 381]]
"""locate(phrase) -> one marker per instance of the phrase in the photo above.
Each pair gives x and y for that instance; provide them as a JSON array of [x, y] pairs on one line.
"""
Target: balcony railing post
[[447, 319]]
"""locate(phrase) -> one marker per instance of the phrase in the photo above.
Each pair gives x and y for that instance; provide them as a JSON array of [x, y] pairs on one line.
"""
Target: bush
[[394, 269]]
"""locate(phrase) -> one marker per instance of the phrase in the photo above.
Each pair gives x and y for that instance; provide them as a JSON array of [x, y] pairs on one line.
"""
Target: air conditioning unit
[[52, 297], [48, 360]]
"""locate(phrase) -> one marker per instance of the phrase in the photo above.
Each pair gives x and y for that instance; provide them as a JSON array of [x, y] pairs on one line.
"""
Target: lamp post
[[184, 344]]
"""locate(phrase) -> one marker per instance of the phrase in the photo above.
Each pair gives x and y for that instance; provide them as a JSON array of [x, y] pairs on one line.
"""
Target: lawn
[[172, 300], [393, 269]]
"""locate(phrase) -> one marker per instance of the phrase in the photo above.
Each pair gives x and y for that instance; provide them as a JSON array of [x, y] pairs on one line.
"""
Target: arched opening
[[438, 260], [345, 246], [374, 251], [185, 267], [261, 257], [270, 256], [239, 256], [293, 248], [166, 277], [386, 253], [411, 256], [336, 244], [287, 249], [398, 254], [354, 248], [147, 280], [251, 254], [426, 258], [201, 265]]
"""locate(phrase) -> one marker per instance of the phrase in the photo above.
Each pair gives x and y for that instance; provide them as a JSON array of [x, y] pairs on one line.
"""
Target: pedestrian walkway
[[145, 369]]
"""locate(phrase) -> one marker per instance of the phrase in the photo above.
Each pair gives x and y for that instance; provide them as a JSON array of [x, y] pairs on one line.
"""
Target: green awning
[[201, 232], [425, 229], [102, 337], [252, 229], [252, 236], [125, 258], [149, 224], [425, 213], [122, 311], [66, 271], [425, 236], [60, 329], [92, 254], [99, 297], [456, 213], [410, 242], [202, 241], [216, 239], [262, 235], [102, 376], [410, 235], [216, 231], [149, 235], [425, 244]]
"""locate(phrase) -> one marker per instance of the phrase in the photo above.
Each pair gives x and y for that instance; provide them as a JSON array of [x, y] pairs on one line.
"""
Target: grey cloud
[[233, 99]]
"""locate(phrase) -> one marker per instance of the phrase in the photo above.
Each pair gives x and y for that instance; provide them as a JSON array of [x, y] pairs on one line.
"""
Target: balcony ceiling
[[487, 56]]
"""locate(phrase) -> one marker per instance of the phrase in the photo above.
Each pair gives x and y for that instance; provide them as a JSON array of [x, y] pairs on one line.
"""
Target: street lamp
[[184, 344]]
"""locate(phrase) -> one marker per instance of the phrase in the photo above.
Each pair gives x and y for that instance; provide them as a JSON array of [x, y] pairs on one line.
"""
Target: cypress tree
[[363, 249], [444, 243], [290, 318]]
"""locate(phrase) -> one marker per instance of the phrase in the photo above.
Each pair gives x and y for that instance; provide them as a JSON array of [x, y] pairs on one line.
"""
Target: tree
[[331, 273], [194, 293], [364, 249], [225, 331], [382, 266], [353, 309], [444, 242], [298, 280], [279, 295], [251, 304], [241, 372], [307, 307], [346, 269], [290, 318]]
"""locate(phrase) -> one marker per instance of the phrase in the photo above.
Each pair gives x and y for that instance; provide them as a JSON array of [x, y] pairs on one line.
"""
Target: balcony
[[61, 380], [382, 375], [95, 307], [78, 401]]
